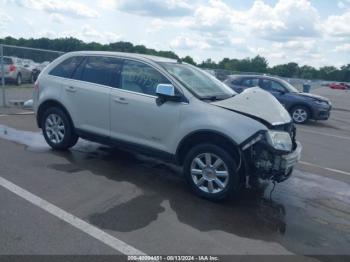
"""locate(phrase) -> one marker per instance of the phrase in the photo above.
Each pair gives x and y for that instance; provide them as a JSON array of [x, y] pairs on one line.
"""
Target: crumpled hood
[[258, 103]]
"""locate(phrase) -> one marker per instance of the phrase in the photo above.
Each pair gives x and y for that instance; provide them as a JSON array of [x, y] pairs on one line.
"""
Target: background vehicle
[[341, 86], [301, 106], [170, 110], [16, 71]]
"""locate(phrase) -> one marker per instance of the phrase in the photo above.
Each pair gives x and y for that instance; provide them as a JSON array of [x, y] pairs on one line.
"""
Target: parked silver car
[[171, 110], [16, 71]]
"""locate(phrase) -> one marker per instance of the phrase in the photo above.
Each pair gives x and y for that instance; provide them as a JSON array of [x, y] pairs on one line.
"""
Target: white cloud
[[338, 25], [302, 51], [5, 19], [215, 16], [68, 7], [343, 48], [57, 18], [341, 5], [112, 37], [188, 43], [153, 8], [86, 33], [156, 25], [286, 20]]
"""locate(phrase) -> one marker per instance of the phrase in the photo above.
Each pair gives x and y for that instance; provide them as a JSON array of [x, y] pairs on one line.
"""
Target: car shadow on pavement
[[249, 215]]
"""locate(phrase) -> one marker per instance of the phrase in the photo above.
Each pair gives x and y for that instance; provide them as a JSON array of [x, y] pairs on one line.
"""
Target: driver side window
[[141, 78]]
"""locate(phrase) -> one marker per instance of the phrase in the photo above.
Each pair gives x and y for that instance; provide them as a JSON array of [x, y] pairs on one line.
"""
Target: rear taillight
[[12, 68]]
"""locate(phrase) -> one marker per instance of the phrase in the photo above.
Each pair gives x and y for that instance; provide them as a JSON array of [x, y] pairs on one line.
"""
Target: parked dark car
[[301, 106]]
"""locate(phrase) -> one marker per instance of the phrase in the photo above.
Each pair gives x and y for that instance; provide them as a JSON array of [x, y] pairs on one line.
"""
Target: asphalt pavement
[[144, 204]]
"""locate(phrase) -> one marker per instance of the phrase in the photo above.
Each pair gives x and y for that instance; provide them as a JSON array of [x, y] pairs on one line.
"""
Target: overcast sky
[[314, 32]]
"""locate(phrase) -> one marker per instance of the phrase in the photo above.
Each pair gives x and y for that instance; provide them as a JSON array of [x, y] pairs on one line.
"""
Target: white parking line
[[323, 134], [326, 168], [78, 223]]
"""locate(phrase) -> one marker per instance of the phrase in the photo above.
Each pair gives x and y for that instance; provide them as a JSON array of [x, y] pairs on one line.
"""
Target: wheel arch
[[49, 104], [301, 105], [206, 136]]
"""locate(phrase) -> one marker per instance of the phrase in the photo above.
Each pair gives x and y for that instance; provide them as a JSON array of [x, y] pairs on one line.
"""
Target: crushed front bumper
[[266, 163], [287, 162]]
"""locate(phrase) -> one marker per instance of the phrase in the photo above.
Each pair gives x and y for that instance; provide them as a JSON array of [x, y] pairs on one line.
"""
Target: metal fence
[[223, 74], [19, 68]]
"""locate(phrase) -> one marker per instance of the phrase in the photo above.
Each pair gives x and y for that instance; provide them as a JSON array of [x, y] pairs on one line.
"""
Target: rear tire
[[19, 80], [58, 130], [211, 172]]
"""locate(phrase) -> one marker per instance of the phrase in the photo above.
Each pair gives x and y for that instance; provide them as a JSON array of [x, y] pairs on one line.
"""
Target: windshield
[[290, 88], [202, 84]]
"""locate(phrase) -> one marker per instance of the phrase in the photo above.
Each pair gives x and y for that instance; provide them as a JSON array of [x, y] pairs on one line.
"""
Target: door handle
[[121, 100], [71, 89]]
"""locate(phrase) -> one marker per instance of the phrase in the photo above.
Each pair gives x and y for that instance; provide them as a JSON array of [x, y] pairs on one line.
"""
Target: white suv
[[170, 110]]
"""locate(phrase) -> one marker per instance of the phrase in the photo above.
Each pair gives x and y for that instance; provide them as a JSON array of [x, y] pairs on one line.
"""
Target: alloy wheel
[[300, 115], [54, 128], [209, 173]]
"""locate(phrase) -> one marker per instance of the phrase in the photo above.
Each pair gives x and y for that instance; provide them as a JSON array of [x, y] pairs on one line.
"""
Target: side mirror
[[285, 92], [166, 92]]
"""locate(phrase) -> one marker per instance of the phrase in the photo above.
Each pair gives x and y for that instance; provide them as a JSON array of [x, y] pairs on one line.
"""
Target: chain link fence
[[19, 69], [223, 74]]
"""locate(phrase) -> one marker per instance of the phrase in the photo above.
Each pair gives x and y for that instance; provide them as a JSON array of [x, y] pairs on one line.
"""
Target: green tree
[[188, 59], [259, 64]]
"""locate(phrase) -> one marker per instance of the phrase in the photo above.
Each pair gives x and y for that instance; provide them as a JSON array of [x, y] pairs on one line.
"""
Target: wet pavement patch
[[132, 215], [67, 168]]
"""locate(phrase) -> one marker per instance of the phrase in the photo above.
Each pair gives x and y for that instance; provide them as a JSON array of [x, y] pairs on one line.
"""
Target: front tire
[[58, 130], [300, 114], [211, 172]]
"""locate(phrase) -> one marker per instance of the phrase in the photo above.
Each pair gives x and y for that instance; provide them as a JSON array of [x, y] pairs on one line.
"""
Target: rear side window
[[250, 82], [8, 61], [141, 78], [235, 81], [67, 67], [99, 70]]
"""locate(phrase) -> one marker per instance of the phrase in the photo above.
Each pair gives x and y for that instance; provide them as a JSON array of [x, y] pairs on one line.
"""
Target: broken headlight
[[280, 140]]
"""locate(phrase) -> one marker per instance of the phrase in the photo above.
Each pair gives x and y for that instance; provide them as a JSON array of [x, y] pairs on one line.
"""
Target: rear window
[[8, 61], [67, 67], [99, 70]]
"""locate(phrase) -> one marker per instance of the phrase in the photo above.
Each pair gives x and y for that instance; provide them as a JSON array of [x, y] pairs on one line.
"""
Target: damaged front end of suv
[[271, 155]]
